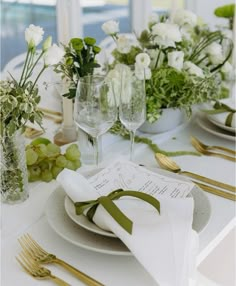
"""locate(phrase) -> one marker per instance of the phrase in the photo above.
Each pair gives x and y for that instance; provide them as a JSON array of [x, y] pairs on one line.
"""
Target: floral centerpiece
[[19, 101], [183, 62]]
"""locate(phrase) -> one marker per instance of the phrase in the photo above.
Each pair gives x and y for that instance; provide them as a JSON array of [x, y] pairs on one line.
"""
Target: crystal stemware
[[132, 107], [95, 108]]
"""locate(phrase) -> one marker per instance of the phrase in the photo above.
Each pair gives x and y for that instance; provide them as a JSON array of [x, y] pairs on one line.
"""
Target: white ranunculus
[[153, 19], [142, 60], [176, 59], [166, 34], [110, 27], [53, 55], [33, 35], [142, 73], [185, 17], [123, 44], [215, 52], [192, 69]]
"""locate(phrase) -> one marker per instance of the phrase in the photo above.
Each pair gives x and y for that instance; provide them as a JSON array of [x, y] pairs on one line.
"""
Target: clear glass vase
[[14, 176]]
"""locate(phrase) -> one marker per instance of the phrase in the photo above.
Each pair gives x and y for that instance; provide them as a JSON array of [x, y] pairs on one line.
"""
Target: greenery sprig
[[79, 61], [119, 129]]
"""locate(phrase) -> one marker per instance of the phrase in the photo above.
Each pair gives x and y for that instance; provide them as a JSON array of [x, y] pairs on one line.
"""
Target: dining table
[[114, 268]]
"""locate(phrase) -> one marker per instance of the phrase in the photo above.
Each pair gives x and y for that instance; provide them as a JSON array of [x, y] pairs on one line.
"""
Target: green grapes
[[45, 160], [72, 152]]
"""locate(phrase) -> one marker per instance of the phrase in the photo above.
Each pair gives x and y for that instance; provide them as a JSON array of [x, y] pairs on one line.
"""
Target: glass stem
[[96, 152], [132, 135]]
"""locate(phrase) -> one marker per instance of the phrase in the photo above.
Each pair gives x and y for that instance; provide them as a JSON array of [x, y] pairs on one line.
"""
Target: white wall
[[205, 9]]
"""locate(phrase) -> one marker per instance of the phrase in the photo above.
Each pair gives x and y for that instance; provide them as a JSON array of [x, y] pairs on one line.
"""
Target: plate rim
[[227, 128], [201, 121]]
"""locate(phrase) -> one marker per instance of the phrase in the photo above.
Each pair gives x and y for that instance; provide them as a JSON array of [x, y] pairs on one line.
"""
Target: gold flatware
[[37, 271], [216, 191], [56, 120], [37, 253], [202, 149], [50, 111], [168, 164], [197, 142]]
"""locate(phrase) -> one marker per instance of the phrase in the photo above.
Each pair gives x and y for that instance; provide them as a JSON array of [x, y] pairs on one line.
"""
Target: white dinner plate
[[214, 120], [64, 226], [205, 124]]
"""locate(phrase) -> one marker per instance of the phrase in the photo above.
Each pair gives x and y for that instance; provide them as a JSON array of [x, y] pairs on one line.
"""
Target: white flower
[[176, 59], [228, 71], [126, 82], [215, 52], [166, 34], [153, 19], [47, 43], [110, 27], [123, 44], [142, 73], [113, 80], [142, 60], [185, 17], [33, 35], [53, 55], [192, 69], [228, 34]]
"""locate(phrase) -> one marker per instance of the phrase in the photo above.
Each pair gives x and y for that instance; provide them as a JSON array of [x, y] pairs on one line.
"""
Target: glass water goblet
[[95, 109], [132, 107]]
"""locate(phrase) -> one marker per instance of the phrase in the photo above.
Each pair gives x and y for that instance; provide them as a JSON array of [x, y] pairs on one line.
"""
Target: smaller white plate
[[83, 220], [205, 124], [214, 120]]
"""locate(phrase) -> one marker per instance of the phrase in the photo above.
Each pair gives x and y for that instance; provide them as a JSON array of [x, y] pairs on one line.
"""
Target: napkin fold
[[164, 244]]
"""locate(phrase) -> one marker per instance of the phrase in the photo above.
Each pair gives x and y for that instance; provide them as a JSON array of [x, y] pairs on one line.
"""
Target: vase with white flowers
[[183, 62], [19, 104]]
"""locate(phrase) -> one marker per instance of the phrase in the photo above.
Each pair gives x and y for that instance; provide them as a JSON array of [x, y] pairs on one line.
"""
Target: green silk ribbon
[[220, 107], [112, 209]]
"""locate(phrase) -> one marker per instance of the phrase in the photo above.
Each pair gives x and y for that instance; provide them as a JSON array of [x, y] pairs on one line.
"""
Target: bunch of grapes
[[45, 160]]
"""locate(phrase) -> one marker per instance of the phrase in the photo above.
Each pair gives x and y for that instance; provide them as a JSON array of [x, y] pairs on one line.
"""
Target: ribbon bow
[[112, 209], [220, 107]]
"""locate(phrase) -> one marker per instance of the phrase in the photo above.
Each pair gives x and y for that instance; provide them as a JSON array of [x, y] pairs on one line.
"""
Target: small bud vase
[[14, 176]]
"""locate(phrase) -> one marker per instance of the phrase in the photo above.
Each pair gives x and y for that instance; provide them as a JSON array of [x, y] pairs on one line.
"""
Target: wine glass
[[95, 109], [132, 107]]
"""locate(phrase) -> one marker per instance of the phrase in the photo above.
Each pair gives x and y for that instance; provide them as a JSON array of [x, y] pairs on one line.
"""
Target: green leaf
[[226, 11]]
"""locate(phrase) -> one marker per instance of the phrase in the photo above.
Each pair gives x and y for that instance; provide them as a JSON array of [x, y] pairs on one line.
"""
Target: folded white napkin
[[164, 244]]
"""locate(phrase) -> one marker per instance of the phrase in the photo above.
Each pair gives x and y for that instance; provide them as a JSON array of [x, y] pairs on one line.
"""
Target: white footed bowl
[[170, 118]]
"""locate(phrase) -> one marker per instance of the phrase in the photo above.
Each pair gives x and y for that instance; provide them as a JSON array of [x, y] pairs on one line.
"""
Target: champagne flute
[[95, 108], [132, 107]]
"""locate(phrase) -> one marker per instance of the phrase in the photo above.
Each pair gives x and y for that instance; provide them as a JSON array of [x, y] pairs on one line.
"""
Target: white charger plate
[[65, 227], [205, 124], [213, 119]]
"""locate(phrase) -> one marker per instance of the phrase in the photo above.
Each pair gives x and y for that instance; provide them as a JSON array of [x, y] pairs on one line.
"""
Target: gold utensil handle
[[82, 276], [220, 155], [50, 111], [59, 281], [209, 181], [223, 149], [216, 192]]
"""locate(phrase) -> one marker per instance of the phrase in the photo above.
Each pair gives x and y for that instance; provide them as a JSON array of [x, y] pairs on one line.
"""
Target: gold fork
[[170, 165], [202, 149], [35, 270], [37, 253], [197, 142]]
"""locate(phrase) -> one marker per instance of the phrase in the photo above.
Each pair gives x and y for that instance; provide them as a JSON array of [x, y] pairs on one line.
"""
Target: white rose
[[53, 55], [176, 60], [142, 60], [215, 52], [33, 35], [123, 44], [153, 19], [192, 69], [166, 34], [184, 17], [110, 27]]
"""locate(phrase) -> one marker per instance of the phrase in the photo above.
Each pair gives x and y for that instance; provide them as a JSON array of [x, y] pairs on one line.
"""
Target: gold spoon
[[168, 164], [202, 148]]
